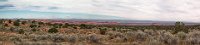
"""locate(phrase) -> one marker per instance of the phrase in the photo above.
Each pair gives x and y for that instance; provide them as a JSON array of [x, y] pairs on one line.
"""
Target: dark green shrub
[[49, 24], [17, 23], [53, 30], [66, 25], [34, 30], [114, 29], [56, 25], [21, 31], [82, 26], [33, 26], [103, 30], [40, 23], [60, 25], [33, 22], [180, 26], [9, 21], [24, 22], [75, 27], [1, 21]]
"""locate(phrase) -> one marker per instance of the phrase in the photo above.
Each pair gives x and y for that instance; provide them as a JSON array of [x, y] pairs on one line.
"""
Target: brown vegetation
[[23, 32]]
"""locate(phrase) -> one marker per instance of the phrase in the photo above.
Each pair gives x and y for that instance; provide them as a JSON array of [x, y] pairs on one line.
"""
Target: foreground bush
[[146, 37]]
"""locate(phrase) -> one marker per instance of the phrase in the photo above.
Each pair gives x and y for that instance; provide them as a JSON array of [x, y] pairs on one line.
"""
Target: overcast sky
[[164, 10]]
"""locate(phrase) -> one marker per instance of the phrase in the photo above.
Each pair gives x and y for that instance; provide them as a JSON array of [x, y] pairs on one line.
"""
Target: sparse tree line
[[177, 34]]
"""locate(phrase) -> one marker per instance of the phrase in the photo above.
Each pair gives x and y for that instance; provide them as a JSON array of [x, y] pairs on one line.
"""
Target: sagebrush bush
[[93, 38], [116, 36], [58, 38], [140, 35], [193, 38], [168, 38], [72, 38], [181, 35], [152, 42], [150, 32], [40, 37], [129, 36]]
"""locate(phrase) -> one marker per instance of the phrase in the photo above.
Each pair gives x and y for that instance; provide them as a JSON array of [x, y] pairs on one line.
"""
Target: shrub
[[193, 38], [129, 36], [49, 24], [93, 38], [12, 29], [60, 25], [66, 25], [53, 30], [17, 23], [181, 35], [153, 42], [15, 38], [72, 38], [75, 27], [150, 32], [168, 38], [1, 21], [39, 37], [40, 23], [180, 26], [24, 22], [33, 22], [81, 37], [21, 31], [6, 25], [103, 30], [56, 25], [33, 25], [83, 26], [9, 21], [34, 29], [114, 29], [58, 38], [117, 36], [140, 35]]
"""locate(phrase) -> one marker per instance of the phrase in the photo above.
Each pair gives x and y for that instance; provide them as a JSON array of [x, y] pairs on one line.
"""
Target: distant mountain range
[[53, 15], [23, 14], [137, 22]]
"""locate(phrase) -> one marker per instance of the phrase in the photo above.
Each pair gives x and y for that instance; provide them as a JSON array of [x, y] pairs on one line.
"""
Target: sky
[[158, 10]]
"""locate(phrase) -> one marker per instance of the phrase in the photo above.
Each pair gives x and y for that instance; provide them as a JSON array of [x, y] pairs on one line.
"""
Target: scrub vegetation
[[31, 32]]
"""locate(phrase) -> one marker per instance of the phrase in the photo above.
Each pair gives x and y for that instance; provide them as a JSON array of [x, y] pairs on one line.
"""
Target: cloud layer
[[166, 10]]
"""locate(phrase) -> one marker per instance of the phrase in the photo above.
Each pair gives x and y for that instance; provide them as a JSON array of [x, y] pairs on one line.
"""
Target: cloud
[[3, 0], [167, 10], [6, 6], [53, 7]]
